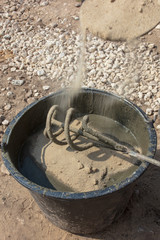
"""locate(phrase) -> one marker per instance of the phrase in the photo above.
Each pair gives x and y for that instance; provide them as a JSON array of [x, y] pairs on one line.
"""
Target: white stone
[[4, 67], [13, 8], [45, 88], [61, 55], [92, 72], [140, 95], [75, 18], [158, 127], [158, 26], [10, 94], [20, 220], [7, 37], [91, 84], [103, 80], [40, 72], [3, 89], [6, 15], [5, 122], [36, 94], [50, 43], [17, 82], [49, 59], [44, 3], [7, 107], [13, 69], [149, 111], [158, 100]]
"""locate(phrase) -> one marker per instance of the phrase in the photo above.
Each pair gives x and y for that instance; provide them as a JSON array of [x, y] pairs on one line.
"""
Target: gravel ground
[[52, 54]]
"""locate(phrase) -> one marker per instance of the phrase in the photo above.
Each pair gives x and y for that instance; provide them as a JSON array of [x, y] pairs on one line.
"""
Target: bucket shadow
[[141, 219], [104, 153]]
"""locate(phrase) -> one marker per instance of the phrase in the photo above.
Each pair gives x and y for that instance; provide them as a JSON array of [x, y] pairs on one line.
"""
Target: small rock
[[7, 107], [44, 3], [4, 170], [50, 43], [55, 25], [13, 69], [158, 100], [92, 72], [61, 55], [40, 72], [20, 220], [151, 45], [36, 94], [5, 67], [21, 66], [2, 32], [136, 78], [76, 18], [158, 26], [6, 15], [11, 64], [158, 127], [77, 4], [10, 94], [17, 82], [9, 79], [49, 59], [13, 8], [45, 88], [140, 95], [8, 37], [5, 122], [103, 80], [149, 111], [91, 84]]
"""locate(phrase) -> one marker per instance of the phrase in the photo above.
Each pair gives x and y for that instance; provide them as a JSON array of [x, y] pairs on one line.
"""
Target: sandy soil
[[21, 218]]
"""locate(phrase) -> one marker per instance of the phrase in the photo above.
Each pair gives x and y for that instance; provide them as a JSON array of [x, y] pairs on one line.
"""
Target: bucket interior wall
[[87, 102]]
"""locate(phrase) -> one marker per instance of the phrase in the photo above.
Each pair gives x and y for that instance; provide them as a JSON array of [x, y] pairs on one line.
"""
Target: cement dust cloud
[[80, 75]]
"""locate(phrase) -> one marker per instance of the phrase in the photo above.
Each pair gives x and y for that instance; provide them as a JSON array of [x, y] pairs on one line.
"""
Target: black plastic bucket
[[92, 211]]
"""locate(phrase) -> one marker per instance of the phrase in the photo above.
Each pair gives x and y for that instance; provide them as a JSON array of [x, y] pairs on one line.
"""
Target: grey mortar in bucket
[[78, 212]]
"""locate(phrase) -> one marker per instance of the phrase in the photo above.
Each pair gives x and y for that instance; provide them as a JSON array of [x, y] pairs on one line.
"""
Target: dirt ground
[[21, 218]]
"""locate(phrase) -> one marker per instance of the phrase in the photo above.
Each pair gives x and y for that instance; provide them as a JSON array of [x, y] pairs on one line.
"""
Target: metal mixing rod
[[95, 136]]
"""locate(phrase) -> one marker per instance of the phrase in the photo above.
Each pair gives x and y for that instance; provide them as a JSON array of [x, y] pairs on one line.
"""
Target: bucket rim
[[78, 195]]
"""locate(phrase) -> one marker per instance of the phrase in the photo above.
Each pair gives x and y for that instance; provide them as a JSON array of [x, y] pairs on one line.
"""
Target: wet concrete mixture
[[81, 171]]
